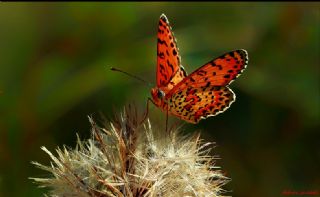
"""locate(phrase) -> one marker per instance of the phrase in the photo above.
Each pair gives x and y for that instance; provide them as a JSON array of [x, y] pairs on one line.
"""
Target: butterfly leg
[[147, 110], [167, 114]]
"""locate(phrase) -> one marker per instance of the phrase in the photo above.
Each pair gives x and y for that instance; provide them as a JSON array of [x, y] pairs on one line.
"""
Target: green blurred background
[[54, 71]]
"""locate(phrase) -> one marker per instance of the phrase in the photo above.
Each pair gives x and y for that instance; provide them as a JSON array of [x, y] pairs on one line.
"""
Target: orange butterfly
[[201, 94]]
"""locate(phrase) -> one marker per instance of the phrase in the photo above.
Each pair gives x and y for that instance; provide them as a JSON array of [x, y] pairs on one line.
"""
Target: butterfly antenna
[[131, 75]]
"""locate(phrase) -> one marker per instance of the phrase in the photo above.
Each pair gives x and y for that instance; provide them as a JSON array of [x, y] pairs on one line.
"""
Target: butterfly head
[[157, 96]]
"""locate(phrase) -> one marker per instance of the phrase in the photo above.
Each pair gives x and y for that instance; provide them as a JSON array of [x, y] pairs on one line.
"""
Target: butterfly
[[201, 94]]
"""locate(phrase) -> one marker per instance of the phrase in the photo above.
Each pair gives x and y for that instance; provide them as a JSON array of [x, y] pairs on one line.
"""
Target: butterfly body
[[201, 94]]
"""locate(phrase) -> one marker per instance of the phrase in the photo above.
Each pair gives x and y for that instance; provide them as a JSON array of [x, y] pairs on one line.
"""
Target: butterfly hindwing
[[193, 104], [168, 59], [219, 72]]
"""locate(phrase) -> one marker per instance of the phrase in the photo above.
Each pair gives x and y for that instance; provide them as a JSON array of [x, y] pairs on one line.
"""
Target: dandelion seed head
[[126, 158]]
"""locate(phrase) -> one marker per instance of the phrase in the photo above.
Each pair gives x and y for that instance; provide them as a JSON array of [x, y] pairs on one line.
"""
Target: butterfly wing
[[193, 104], [205, 92], [169, 71], [218, 72]]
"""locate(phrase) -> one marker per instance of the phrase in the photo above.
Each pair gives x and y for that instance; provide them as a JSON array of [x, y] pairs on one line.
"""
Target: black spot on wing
[[201, 72], [161, 55], [232, 54], [164, 18], [170, 65], [160, 23], [174, 52], [161, 67], [162, 42]]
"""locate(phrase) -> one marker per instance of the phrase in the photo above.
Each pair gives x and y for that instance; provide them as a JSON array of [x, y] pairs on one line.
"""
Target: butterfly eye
[[160, 94]]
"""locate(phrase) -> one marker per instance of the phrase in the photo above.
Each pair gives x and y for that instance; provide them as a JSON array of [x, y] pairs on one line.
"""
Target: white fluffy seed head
[[130, 159]]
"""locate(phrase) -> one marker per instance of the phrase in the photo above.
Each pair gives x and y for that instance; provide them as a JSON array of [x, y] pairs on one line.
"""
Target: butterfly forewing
[[169, 71]]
